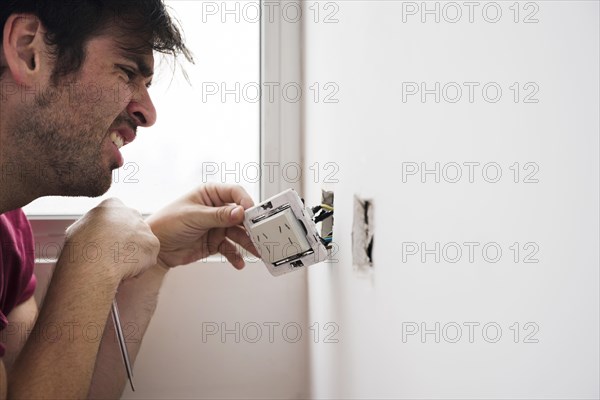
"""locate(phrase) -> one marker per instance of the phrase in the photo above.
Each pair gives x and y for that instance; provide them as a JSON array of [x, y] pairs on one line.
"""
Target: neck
[[17, 182], [11, 195], [21, 178]]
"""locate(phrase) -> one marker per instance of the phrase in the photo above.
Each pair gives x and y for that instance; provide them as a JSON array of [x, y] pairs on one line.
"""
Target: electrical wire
[[326, 207], [323, 215]]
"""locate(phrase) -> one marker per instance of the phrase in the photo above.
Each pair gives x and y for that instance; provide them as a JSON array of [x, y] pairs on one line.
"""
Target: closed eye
[[129, 72]]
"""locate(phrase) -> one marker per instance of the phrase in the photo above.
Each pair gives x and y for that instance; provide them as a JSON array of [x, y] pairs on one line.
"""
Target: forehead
[[113, 45]]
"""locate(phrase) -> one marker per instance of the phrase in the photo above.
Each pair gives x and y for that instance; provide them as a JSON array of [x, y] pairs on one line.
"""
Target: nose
[[141, 109]]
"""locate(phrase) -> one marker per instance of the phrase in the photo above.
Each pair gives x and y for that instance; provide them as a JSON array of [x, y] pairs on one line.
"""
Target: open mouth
[[117, 139]]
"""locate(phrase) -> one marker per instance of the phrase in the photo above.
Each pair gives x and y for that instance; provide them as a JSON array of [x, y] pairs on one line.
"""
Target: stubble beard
[[62, 145]]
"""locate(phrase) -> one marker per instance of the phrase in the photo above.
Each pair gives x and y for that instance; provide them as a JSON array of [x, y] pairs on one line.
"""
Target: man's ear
[[24, 48]]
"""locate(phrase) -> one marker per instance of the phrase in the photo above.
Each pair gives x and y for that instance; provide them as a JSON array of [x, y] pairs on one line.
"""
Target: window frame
[[281, 121]]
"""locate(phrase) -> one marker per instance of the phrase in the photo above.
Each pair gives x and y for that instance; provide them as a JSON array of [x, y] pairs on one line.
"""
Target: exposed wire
[[326, 207], [326, 242], [323, 215]]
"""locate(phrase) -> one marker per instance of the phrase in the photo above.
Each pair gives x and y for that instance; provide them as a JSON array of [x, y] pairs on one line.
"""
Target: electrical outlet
[[281, 236], [283, 232]]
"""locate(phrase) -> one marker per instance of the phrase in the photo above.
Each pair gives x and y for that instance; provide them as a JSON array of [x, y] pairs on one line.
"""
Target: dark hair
[[70, 24]]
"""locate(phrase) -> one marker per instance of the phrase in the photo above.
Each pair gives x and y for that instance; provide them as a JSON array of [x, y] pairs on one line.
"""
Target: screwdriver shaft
[[122, 344]]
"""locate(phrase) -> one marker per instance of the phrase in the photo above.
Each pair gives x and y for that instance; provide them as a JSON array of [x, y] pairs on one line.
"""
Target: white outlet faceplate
[[283, 232]]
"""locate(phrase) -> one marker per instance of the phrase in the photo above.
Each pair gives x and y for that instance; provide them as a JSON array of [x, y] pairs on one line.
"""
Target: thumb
[[226, 216]]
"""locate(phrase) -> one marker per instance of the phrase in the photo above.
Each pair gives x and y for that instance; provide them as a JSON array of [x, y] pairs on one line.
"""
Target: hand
[[116, 236], [206, 221]]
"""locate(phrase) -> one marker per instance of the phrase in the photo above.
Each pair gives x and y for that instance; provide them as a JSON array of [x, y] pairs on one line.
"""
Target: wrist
[[94, 259], [161, 265]]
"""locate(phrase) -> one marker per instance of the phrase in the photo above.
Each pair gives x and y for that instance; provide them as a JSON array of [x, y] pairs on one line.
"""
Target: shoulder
[[14, 222], [17, 259], [15, 234]]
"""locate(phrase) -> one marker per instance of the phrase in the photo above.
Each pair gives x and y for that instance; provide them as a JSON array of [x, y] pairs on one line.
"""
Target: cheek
[[110, 103], [113, 94], [122, 94]]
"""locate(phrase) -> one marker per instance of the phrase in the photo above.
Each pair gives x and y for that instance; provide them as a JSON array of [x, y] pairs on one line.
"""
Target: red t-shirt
[[17, 258]]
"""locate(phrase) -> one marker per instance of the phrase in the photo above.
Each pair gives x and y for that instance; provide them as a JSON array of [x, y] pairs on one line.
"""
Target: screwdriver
[[122, 344]]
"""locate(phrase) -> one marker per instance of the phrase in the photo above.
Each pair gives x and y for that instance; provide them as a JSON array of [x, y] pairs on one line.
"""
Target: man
[[53, 52]]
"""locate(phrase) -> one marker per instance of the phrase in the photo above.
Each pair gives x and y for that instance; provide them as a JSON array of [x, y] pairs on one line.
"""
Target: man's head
[[74, 78]]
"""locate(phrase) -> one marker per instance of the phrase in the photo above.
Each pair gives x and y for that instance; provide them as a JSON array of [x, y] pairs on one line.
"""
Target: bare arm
[[78, 302], [203, 222], [62, 367], [20, 322]]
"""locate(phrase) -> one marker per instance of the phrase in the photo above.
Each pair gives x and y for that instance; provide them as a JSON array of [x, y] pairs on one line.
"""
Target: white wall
[[371, 132]]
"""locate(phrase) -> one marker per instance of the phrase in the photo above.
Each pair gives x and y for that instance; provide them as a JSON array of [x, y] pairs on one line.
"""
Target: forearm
[[61, 366], [137, 299]]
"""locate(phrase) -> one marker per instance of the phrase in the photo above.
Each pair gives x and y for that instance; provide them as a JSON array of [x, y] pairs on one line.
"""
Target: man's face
[[75, 128]]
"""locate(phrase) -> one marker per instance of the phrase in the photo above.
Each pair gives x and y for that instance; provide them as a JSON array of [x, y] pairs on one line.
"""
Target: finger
[[219, 217], [214, 239], [223, 194], [238, 235], [231, 253]]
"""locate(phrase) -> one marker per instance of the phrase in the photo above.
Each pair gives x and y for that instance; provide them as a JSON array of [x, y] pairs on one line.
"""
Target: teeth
[[117, 139]]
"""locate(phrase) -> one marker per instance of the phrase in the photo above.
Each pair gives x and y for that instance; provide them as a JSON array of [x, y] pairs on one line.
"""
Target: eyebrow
[[141, 64]]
